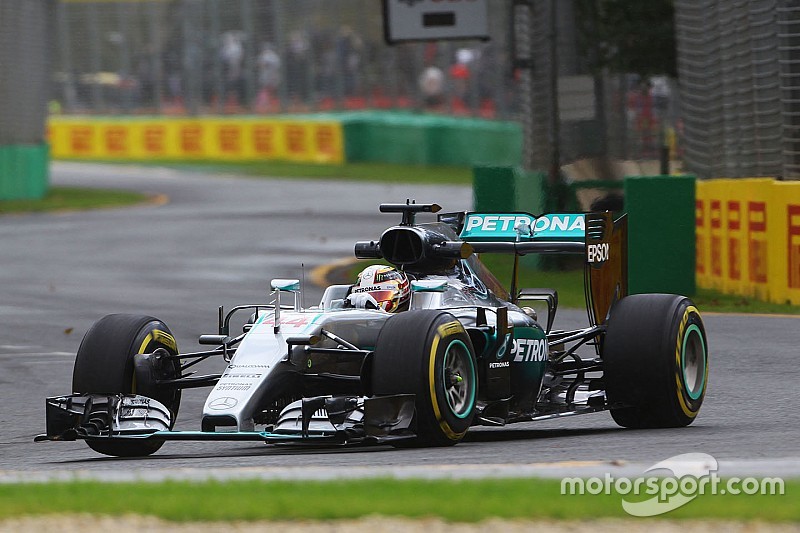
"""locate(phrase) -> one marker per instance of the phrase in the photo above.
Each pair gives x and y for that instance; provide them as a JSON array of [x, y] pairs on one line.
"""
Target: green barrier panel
[[661, 234], [387, 139], [507, 190], [24, 171], [474, 142], [397, 137]]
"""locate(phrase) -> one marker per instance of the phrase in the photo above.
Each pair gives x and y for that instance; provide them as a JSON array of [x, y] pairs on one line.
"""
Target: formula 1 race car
[[466, 352]]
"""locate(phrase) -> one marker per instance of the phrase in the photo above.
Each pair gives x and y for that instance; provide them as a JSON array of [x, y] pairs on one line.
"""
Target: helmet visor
[[384, 296]]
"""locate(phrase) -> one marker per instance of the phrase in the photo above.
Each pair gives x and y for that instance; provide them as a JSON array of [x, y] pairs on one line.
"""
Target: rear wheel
[[655, 359], [427, 353], [105, 365]]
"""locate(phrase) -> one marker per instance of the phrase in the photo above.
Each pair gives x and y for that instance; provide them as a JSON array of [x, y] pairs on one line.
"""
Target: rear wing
[[523, 233], [601, 240]]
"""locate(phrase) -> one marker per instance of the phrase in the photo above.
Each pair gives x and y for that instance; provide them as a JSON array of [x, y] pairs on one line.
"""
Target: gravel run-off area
[[134, 523]]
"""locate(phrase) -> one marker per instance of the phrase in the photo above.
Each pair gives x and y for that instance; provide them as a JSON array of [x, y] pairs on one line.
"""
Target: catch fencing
[[267, 56], [24, 75], [201, 57], [739, 70], [24, 70]]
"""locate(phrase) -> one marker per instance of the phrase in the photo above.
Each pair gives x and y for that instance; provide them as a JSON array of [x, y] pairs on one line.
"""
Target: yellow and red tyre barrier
[[748, 238], [234, 139]]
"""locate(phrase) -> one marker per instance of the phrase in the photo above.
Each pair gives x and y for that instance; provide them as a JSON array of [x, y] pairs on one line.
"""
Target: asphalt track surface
[[220, 239]]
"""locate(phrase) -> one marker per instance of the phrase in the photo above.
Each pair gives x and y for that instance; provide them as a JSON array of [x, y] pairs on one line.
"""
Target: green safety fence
[[24, 171], [409, 138]]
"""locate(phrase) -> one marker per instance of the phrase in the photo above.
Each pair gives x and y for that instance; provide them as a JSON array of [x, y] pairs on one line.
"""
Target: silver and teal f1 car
[[467, 352]]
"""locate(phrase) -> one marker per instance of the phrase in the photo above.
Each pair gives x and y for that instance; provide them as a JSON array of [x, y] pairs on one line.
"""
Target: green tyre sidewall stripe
[[696, 392], [471, 402]]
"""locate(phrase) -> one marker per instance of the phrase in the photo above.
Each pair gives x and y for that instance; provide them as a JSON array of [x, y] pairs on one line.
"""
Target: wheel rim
[[693, 362], [459, 379]]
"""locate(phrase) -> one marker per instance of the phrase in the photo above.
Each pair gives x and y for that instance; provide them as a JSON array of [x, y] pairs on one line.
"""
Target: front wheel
[[655, 360], [427, 353], [105, 365]]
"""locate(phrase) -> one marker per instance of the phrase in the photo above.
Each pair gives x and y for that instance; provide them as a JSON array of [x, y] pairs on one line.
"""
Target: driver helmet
[[389, 287]]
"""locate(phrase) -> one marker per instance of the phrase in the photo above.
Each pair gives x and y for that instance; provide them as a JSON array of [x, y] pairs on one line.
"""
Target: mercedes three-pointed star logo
[[226, 402]]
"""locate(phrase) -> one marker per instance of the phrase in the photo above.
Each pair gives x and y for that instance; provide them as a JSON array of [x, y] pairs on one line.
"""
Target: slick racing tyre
[[655, 360], [105, 365], [427, 353]]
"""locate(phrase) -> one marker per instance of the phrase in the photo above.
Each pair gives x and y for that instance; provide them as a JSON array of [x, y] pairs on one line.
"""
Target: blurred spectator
[[269, 75], [173, 67], [144, 73], [431, 85], [488, 71], [327, 71], [660, 91], [460, 76], [641, 117], [297, 65], [232, 55], [203, 56], [349, 49]]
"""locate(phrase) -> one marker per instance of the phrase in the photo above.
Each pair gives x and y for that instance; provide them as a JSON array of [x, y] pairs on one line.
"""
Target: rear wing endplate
[[606, 264]]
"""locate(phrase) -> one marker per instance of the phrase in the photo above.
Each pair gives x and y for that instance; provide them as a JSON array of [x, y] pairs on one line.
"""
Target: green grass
[[378, 172], [714, 301], [451, 500], [72, 198]]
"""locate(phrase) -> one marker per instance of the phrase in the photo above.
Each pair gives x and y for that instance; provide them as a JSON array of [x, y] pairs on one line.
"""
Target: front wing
[[135, 417]]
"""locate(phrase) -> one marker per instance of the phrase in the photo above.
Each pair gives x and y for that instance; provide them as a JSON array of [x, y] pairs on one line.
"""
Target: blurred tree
[[628, 36]]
